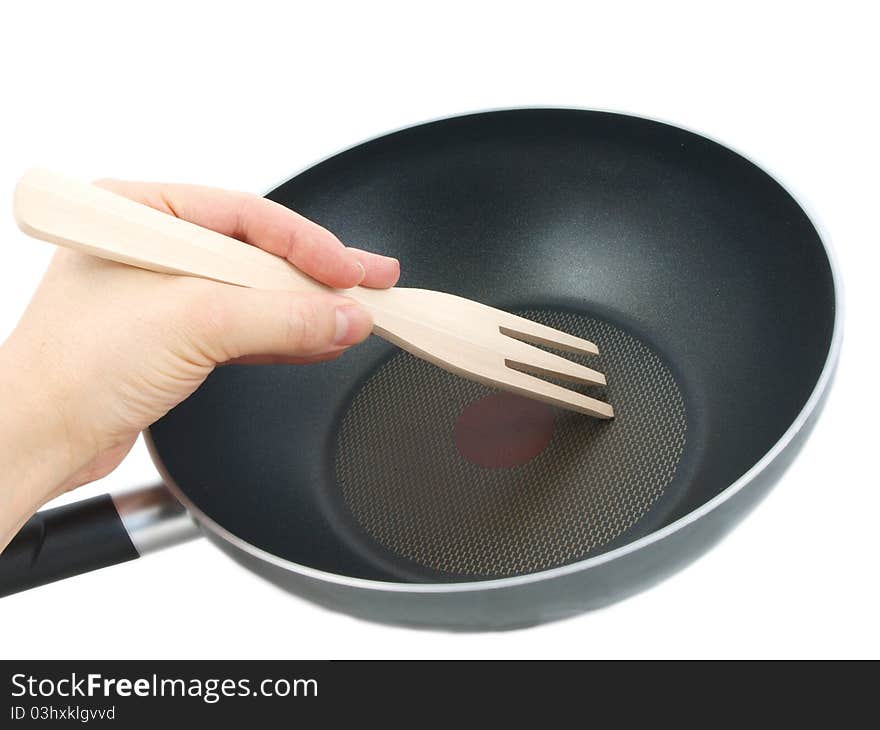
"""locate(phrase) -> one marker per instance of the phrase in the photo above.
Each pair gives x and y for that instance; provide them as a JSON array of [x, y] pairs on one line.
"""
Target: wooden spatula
[[467, 338]]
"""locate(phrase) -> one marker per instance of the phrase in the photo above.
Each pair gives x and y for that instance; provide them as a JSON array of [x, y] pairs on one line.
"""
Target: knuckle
[[305, 330], [209, 310], [206, 320], [294, 243], [248, 211]]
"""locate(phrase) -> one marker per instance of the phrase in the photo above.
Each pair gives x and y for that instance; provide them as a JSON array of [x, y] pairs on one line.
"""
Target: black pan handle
[[93, 533]]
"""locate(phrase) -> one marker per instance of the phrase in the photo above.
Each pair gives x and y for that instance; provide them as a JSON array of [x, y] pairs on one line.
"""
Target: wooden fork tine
[[533, 387], [522, 356], [540, 334]]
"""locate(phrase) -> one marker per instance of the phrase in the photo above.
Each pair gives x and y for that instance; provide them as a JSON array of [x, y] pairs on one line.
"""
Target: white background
[[243, 95]]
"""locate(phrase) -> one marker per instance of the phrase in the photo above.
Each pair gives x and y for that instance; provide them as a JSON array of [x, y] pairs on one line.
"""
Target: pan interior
[[409, 485], [670, 241]]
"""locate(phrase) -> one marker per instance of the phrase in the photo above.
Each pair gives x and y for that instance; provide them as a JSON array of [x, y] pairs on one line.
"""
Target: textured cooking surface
[[410, 488]]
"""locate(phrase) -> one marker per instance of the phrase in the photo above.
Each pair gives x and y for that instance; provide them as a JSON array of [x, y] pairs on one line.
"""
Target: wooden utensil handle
[[95, 221]]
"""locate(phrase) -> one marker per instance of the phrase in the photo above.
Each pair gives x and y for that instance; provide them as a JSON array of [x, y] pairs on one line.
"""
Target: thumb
[[233, 322]]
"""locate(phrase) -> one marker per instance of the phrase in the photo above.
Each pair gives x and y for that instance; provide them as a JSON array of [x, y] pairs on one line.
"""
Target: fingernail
[[353, 324], [353, 257]]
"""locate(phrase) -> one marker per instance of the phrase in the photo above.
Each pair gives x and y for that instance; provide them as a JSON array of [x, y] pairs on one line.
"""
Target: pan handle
[[93, 533]]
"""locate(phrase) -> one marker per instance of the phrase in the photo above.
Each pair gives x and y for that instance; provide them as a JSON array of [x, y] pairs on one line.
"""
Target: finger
[[228, 322], [255, 220], [381, 271]]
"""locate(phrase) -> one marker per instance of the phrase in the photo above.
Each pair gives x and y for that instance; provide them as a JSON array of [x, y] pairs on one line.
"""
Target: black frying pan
[[383, 486]]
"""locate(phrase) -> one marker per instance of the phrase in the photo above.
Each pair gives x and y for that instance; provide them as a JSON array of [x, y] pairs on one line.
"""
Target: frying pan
[[387, 488]]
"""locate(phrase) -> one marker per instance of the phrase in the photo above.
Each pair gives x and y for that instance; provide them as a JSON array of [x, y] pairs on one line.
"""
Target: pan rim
[[822, 384]]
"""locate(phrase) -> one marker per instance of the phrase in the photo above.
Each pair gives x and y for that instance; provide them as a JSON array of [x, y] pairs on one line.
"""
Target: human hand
[[104, 350]]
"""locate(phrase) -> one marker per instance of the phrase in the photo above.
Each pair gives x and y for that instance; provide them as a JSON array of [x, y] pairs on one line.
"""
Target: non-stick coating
[[683, 243]]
